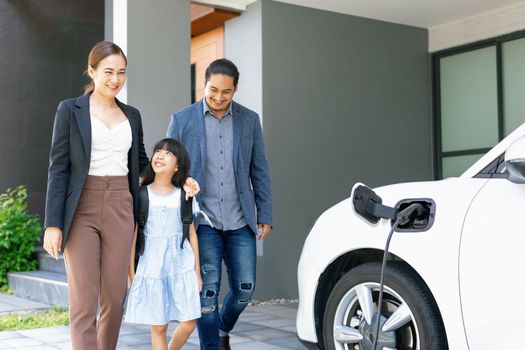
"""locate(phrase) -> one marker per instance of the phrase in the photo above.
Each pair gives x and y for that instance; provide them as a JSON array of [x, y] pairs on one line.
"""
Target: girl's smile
[[164, 161]]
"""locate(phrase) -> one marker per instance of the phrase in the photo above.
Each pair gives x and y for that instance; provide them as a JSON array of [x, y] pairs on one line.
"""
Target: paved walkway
[[261, 327], [9, 304]]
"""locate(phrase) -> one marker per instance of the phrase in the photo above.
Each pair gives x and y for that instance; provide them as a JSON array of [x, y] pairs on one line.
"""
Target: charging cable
[[405, 216]]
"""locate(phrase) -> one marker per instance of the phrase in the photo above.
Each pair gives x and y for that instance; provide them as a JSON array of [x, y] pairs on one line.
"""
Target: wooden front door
[[205, 48]]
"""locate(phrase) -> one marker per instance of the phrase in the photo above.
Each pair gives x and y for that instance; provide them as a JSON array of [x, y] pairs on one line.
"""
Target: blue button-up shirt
[[220, 200]]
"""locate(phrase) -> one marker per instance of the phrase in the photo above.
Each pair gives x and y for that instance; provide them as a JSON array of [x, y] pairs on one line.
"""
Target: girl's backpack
[[186, 216]]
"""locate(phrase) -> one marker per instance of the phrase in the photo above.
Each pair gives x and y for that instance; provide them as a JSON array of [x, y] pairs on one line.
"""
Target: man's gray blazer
[[249, 160]]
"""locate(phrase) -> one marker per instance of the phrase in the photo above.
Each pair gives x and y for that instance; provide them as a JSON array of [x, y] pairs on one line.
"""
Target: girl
[[167, 283]]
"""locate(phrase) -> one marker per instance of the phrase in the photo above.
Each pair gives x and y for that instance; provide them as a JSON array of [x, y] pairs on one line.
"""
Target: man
[[225, 143]]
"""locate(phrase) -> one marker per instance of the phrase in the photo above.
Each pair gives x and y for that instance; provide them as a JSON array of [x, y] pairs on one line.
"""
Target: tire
[[350, 315]]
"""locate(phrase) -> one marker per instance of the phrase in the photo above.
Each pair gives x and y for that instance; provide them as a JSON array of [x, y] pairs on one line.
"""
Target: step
[[47, 263], [41, 286]]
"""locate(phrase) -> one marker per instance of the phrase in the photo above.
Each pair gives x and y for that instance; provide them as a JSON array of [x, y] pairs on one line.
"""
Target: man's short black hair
[[223, 66]]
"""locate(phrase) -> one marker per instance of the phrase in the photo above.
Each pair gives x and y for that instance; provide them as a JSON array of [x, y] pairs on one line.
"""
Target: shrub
[[19, 233]]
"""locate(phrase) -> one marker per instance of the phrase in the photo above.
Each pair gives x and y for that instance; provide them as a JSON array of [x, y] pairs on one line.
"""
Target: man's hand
[[191, 187], [262, 231], [53, 241]]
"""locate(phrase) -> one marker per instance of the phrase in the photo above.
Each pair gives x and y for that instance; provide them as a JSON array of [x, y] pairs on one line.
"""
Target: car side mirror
[[515, 161]]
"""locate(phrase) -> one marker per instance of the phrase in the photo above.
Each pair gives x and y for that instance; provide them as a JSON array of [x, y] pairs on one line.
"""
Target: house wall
[[44, 48], [159, 77], [344, 99]]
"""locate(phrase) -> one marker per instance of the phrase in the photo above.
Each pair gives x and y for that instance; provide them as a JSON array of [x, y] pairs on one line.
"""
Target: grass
[[56, 317]]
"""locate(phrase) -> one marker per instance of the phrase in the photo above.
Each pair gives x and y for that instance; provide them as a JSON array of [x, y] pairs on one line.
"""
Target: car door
[[491, 266]]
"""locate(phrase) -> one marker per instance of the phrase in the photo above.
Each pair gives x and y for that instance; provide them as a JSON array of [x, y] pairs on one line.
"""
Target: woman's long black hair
[[183, 162]]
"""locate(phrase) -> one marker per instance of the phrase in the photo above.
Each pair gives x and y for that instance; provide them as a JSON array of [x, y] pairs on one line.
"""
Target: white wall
[[487, 25], [243, 46]]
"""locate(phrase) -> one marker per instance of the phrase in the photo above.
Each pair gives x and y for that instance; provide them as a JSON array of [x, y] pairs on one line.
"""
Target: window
[[479, 98]]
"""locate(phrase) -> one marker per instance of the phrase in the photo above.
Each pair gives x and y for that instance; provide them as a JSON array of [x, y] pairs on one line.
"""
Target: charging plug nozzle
[[412, 212]]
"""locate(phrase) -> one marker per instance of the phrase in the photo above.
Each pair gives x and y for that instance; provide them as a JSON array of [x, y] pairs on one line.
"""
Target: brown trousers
[[97, 258]]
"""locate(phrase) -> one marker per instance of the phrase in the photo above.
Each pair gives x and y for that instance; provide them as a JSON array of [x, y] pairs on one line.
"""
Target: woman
[[97, 154]]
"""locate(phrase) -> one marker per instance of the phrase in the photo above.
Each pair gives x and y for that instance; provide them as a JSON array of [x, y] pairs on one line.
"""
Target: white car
[[453, 279]]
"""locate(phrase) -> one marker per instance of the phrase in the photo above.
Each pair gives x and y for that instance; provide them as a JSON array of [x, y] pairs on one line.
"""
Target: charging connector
[[412, 212], [410, 215]]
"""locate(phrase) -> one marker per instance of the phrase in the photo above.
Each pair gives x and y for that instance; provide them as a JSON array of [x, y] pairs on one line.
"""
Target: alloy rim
[[355, 320]]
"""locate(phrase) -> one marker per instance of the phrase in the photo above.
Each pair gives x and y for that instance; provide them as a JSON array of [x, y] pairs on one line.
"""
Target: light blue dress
[[165, 287]]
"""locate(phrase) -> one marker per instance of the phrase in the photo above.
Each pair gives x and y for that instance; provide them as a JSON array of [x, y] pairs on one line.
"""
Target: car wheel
[[409, 317]]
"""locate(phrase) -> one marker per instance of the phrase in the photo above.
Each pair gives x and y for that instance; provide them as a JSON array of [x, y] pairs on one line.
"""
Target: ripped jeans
[[237, 248]]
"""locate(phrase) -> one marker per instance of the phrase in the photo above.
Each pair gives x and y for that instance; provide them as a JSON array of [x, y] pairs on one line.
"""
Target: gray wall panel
[[44, 49], [237, 32], [159, 62], [345, 99]]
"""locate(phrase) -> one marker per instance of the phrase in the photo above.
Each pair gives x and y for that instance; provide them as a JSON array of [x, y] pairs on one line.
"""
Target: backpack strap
[[143, 217], [186, 215]]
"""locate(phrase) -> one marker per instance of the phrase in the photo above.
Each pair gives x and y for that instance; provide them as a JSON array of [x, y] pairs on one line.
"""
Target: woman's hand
[[53, 241], [131, 277], [191, 187]]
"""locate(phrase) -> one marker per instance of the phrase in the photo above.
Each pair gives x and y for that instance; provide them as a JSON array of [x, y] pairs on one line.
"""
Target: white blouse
[[109, 148]]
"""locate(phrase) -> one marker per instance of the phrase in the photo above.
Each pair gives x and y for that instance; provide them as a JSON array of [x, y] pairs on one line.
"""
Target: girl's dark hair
[[222, 66], [100, 51], [183, 162]]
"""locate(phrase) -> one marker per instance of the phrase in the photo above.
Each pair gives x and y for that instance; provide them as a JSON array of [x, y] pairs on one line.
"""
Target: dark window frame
[[436, 94]]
